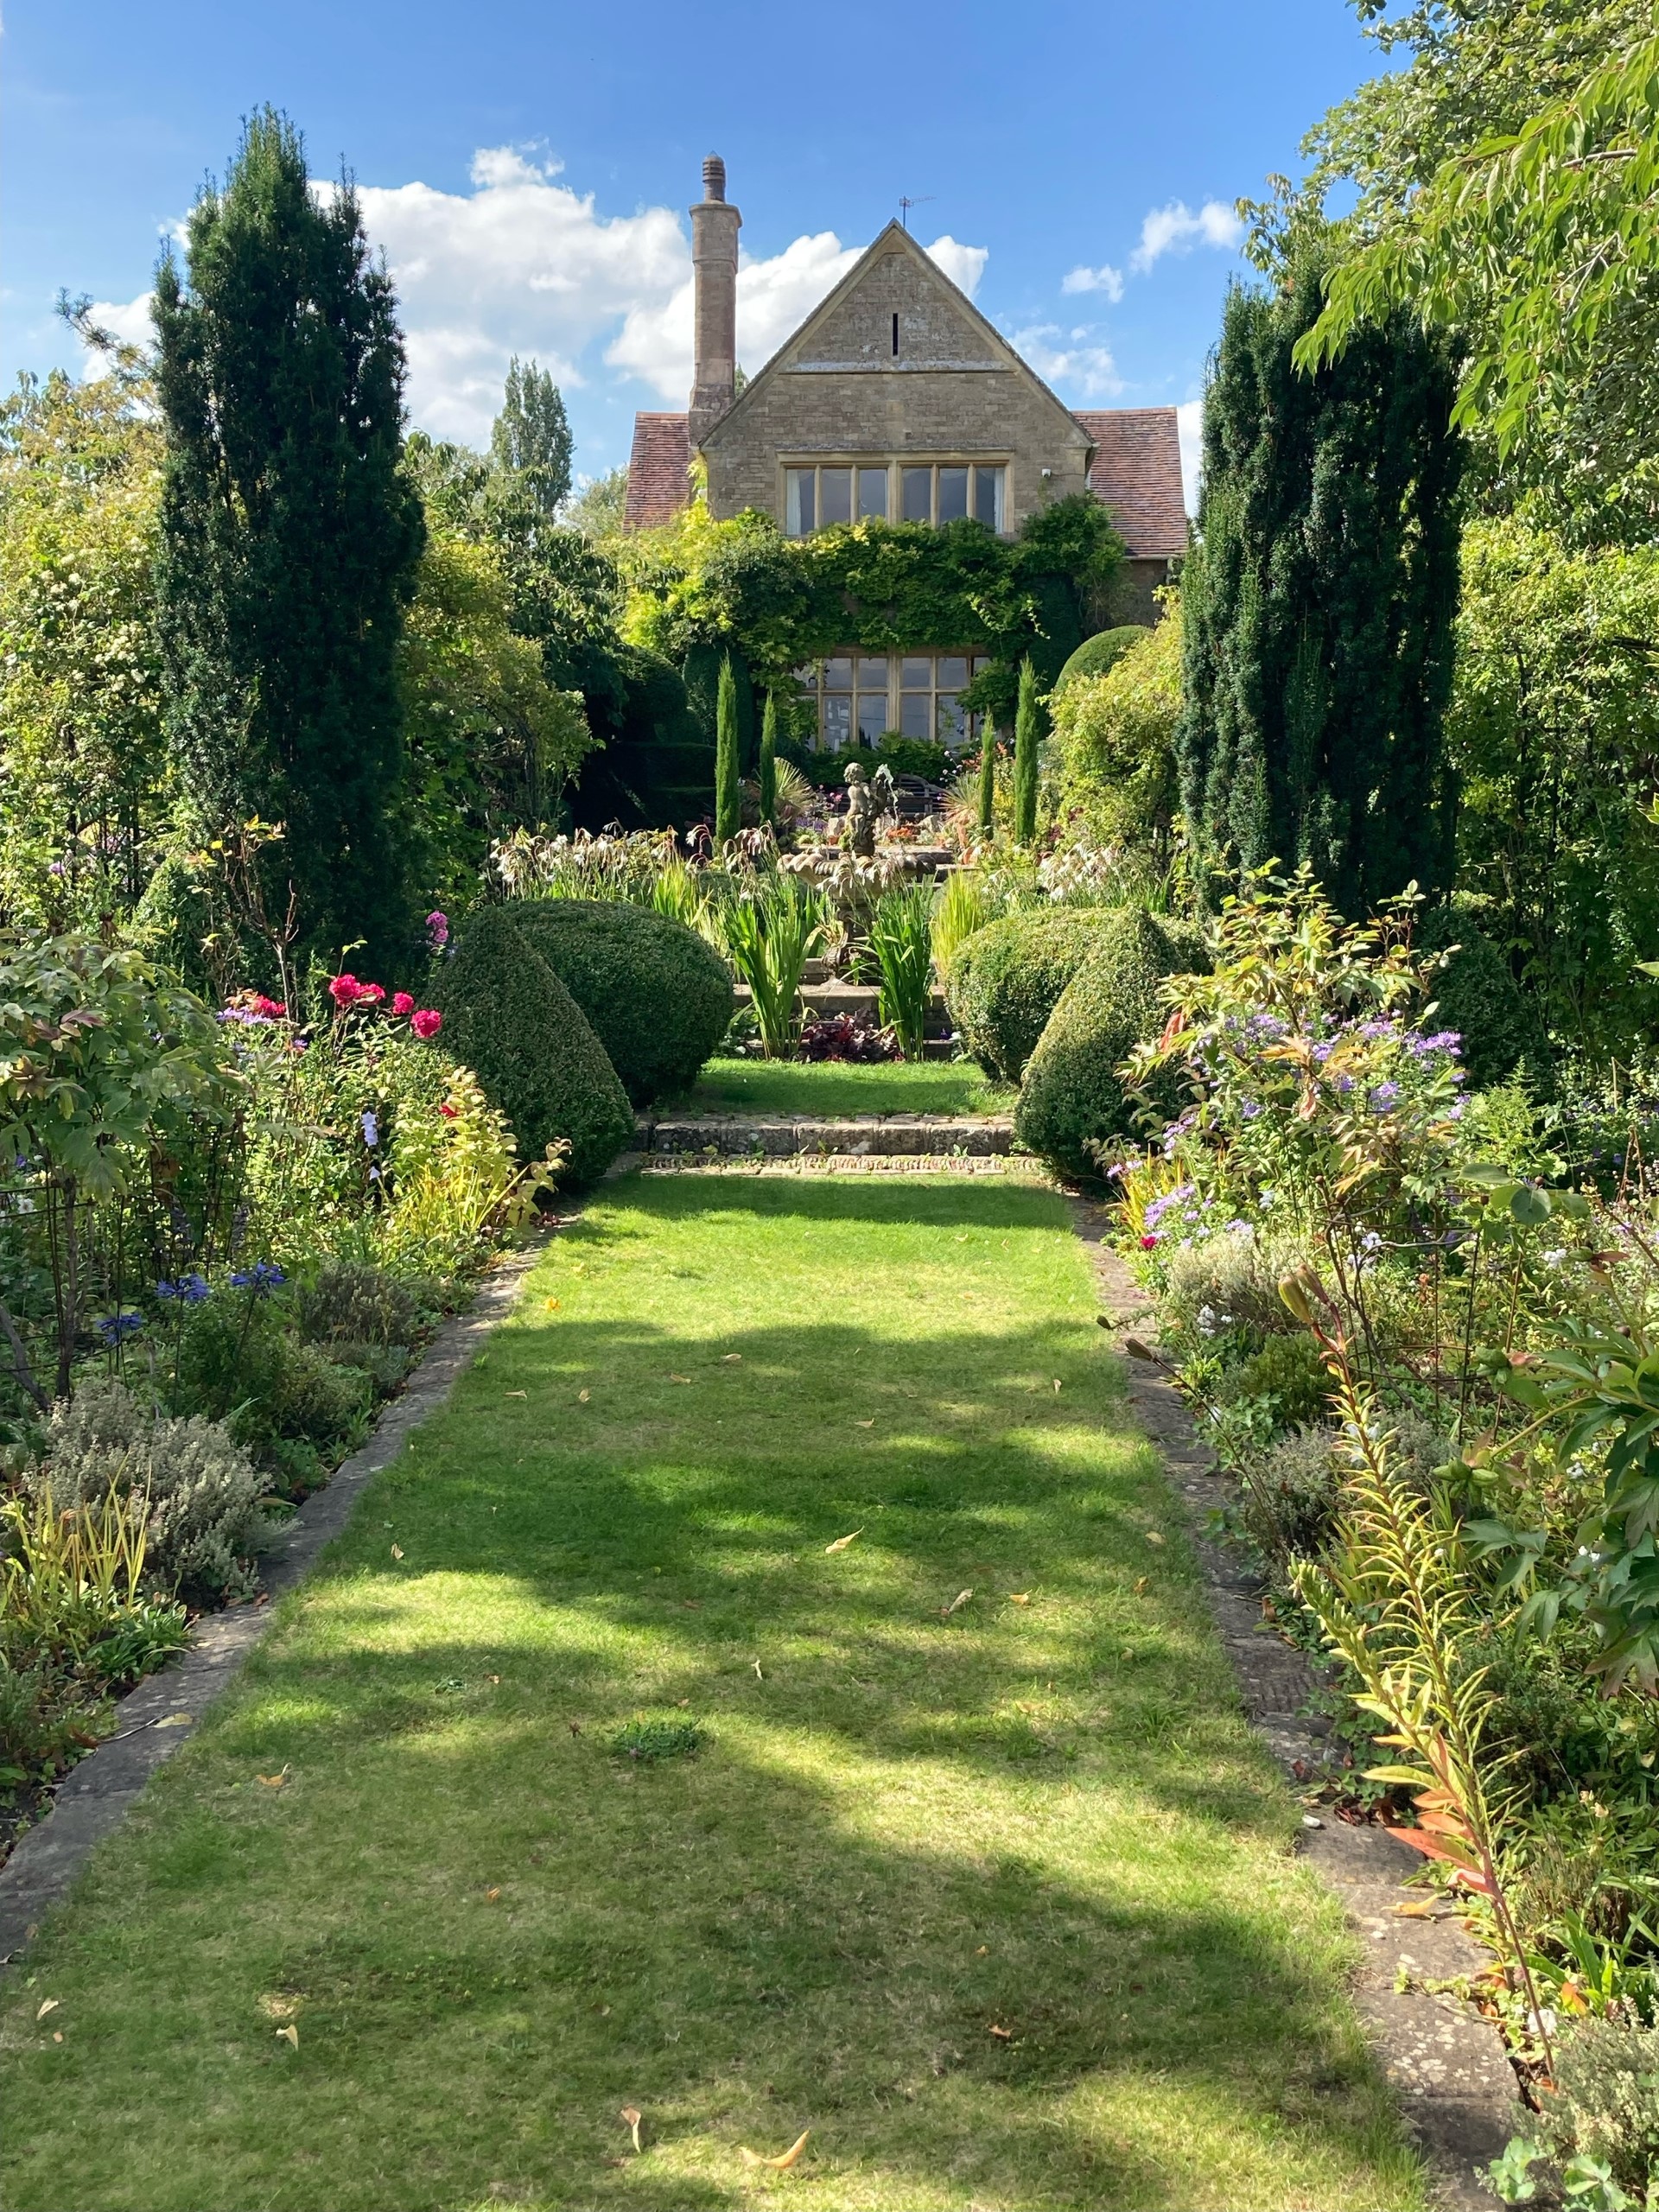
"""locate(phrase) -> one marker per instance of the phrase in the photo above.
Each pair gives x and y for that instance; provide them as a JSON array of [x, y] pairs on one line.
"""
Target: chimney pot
[[714, 177]]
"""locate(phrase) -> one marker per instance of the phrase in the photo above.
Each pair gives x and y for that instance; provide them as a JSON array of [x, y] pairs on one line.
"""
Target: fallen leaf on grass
[[176, 1720], [57, 2034], [50, 2005], [583, 1396], [783, 2160], [1002, 2035], [842, 1543], [1140, 1586], [1057, 1382], [1152, 1536], [1019, 1597], [273, 1781], [574, 1728], [956, 1604], [397, 1551], [679, 1378], [865, 1424], [632, 2116], [291, 2034], [550, 1305], [759, 1676], [730, 1358], [519, 1394]]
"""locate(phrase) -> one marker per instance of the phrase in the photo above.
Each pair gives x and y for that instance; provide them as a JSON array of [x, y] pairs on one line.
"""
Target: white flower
[[1557, 1258]]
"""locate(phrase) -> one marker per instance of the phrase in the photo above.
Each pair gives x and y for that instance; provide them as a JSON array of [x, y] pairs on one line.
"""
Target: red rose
[[426, 1022], [344, 990], [402, 1003], [448, 1112]]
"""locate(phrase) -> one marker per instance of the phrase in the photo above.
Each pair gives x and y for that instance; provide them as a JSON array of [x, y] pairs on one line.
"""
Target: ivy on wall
[[694, 584]]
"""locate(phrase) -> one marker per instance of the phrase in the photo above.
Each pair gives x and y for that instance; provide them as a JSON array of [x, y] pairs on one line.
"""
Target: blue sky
[[527, 168]]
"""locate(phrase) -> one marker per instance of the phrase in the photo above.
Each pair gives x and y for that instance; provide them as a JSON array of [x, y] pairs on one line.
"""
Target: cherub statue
[[861, 813]]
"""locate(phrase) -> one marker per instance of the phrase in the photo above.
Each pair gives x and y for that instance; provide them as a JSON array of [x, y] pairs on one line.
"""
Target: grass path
[[997, 1901], [837, 1087]]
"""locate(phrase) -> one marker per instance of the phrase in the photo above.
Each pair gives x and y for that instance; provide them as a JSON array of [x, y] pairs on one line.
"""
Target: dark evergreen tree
[[1028, 735], [1319, 608], [769, 762], [985, 812], [530, 444], [729, 818], [289, 536]]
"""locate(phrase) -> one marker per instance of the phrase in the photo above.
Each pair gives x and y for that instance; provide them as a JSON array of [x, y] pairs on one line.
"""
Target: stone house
[[896, 399]]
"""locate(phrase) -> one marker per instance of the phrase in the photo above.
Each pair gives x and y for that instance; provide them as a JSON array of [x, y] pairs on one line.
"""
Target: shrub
[[511, 1020], [656, 996], [1289, 1499], [1605, 2100], [1475, 995], [348, 1301], [1072, 1095], [1006, 979], [206, 1518], [843, 1037], [1115, 741], [1232, 1282], [1287, 1374], [1102, 651], [237, 1364], [901, 939]]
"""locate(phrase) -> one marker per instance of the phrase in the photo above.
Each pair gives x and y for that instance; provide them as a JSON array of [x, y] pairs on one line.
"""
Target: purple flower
[[190, 1290], [370, 1131], [262, 1278], [116, 1328], [1155, 1212], [1384, 1097], [1249, 1108], [437, 930], [1443, 1040], [1376, 1029]]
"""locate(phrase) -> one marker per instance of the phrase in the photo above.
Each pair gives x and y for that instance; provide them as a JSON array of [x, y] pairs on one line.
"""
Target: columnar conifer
[[769, 762], [727, 808], [1318, 609], [1028, 735], [986, 775]]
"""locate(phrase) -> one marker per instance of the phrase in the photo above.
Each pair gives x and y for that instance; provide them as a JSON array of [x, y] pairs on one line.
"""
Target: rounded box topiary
[[1477, 995], [657, 997], [1005, 980], [1102, 651], [1073, 1094], [508, 1017]]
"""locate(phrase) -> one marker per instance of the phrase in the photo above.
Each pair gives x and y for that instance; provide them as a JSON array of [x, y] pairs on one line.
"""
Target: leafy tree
[[1318, 611], [289, 536], [1027, 735], [769, 761], [1115, 735], [597, 510], [728, 810], [1507, 184], [82, 763], [530, 444], [1554, 736]]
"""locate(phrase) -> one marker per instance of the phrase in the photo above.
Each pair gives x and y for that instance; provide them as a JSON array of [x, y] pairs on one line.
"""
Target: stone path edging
[[886, 1135], [154, 1719], [1447, 2066]]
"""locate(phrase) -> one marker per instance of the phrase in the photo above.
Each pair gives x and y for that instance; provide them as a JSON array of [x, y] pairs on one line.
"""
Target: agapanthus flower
[[426, 1021], [402, 1003], [115, 1328], [262, 1278], [190, 1290]]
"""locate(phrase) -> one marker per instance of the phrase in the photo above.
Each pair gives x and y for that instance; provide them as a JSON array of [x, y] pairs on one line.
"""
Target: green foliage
[[342, 1300], [508, 1016], [1288, 1375], [1317, 613], [1604, 2100], [768, 774], [529, 442], [237, 1362], [658, 1738], [729, 818], [656, 996], [962, 907], [1477, 995], [1005, 980], [82, 759], [985, 789], [904, 756], [1115, 736], [770, 931], [598, 510], [197, 1493], [1098, 654], [1073, 1095], [289, 535], [1551, 732], [901, 941], [1027, 737]]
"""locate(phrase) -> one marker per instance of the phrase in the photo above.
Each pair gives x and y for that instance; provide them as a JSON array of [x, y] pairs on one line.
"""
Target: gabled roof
[[657, 487], [894, 237], [1136, 472]]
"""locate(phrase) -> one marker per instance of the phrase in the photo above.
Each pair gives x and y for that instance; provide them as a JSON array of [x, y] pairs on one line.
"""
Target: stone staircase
[[876, 1136]]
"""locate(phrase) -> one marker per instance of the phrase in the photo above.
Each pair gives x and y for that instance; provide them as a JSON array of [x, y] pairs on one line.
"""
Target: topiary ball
[[1096, 654], [1072, 1092], [508, 1017], [1477, 995], [656, 996], [1005, 980]]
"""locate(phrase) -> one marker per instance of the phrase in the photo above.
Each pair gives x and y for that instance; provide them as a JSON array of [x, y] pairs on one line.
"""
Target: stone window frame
[[815, 683], [894, 465]]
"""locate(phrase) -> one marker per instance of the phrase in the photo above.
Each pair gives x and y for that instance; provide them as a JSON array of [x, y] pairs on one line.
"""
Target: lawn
[[837, 1087], [993, 1892]]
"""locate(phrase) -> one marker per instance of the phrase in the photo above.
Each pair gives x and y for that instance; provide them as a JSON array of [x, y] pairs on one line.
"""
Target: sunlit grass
[[841, 1087], [903, 1827]]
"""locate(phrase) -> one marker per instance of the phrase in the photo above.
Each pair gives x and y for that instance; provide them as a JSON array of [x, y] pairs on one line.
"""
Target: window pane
[[987, 496], [952, 722], [915, 674], [873, 495], [871, 716], [919, 494], [872, 673], [797, 502], [836, 494], [838, 673], [953, 671], [915, 714], [953, 494], [837, 723]]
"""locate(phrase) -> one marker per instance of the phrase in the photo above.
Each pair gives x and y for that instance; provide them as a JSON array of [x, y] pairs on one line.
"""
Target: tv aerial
[[905, 204]]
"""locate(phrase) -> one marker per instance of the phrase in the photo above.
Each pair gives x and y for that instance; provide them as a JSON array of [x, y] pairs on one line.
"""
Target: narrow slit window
[[987, 496], [895, 337], [835, 495], [953, 494]]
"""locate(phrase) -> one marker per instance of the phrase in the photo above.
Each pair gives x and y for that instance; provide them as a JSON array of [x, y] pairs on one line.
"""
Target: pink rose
[[344, 990], [426, 1022], [402, 1003], [371, 994]]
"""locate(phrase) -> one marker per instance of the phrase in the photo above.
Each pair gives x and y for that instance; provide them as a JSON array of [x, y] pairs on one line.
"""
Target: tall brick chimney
[[715, 227]]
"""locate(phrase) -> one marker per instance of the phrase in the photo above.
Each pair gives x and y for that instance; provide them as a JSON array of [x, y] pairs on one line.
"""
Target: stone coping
[[851, 1136], [1446, 2065]]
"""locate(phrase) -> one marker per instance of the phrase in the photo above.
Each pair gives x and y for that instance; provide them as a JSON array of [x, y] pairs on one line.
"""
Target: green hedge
[[1071, 1091], [1005, 980], [1477, 995], [510, 1018], [656, 996], [1104, 651]]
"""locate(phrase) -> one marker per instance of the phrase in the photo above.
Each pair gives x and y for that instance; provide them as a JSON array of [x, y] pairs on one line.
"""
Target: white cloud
[[1176, 229], [1189, 424], [1089, 370], [963, 264], [128, 319], [1104, 279]]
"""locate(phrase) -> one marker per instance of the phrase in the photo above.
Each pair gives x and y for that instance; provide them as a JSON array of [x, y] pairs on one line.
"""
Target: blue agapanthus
[[188, 1290], [262, 1278], [116, 1328]]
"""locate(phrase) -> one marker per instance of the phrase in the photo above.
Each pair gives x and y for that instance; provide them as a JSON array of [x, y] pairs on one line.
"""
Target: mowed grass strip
[[836, 1088], [995, 1897]]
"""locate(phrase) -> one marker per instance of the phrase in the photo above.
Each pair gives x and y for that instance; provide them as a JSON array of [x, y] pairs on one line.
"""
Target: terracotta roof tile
[[1136, 472], [657, 467]]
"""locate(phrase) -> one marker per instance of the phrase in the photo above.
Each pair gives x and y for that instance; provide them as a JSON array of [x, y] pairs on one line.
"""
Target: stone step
[[887, 1135], [863, 1001]]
